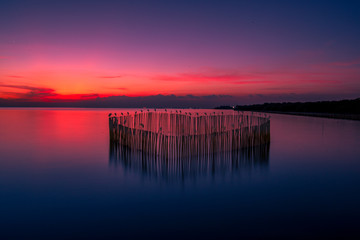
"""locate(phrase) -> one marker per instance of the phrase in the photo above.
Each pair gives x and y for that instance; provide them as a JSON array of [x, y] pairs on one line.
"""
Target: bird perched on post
[[110, 114], [141, 110], [115, 114], [147, 109], [128, 113], [122, 114]]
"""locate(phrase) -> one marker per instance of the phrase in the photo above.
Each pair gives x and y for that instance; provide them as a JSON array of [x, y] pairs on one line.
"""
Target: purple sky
[[192, 53]]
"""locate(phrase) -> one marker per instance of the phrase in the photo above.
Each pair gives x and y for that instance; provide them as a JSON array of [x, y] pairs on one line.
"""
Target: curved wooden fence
[[177, 134]]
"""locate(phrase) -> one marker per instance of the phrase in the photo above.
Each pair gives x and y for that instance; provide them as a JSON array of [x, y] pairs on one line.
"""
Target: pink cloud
[[32, 93], [87, 96], [27, 87], [346, 64], [224, 77], [255, 82], [15, 76], [44, 94], [116, 76], [319, 81], [273, 77]]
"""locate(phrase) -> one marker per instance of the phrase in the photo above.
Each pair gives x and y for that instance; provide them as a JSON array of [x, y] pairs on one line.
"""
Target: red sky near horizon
[[76, 51]]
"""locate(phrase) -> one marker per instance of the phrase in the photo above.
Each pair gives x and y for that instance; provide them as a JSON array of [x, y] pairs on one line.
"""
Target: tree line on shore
[[336, 107]]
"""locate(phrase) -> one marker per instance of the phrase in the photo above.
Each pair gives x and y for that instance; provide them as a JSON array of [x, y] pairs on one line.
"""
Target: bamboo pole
[[177, 134]]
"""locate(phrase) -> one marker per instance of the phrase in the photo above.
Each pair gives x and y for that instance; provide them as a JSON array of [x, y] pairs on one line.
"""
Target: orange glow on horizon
[[59, 80]]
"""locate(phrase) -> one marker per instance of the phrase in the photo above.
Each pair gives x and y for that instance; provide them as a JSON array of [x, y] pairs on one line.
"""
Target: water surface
[[59, 179]]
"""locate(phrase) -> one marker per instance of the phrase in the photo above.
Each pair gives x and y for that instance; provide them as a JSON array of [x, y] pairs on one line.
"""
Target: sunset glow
[[61, 52]]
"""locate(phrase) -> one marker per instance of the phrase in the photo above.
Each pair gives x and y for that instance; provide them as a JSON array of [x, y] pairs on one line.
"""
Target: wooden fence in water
[[219, 165], [176, 134]]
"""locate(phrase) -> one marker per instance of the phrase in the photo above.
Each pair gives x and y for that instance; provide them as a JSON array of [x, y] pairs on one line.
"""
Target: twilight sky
[[233, 52]]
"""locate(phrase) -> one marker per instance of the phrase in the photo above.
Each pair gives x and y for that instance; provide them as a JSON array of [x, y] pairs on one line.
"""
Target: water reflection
[[214, 165]]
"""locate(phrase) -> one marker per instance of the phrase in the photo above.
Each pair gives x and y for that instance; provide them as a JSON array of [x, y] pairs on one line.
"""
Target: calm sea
[[59, 179]]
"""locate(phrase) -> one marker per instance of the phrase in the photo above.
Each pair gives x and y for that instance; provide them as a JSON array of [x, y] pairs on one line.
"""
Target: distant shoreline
[[355, 117], [343, 109]]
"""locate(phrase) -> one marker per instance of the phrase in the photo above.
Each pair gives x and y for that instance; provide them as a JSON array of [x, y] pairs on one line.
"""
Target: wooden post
[[175, 135]]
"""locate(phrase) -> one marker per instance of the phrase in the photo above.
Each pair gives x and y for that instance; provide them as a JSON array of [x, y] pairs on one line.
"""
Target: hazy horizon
[[161, 101]]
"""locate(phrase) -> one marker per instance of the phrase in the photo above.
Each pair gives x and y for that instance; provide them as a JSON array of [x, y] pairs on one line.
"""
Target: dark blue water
[[59, 180]]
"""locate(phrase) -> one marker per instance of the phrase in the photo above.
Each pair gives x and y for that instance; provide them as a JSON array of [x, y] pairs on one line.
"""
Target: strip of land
[[344, 109]]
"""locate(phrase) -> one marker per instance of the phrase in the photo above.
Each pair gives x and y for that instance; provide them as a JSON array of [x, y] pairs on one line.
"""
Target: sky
[[178, 53]]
